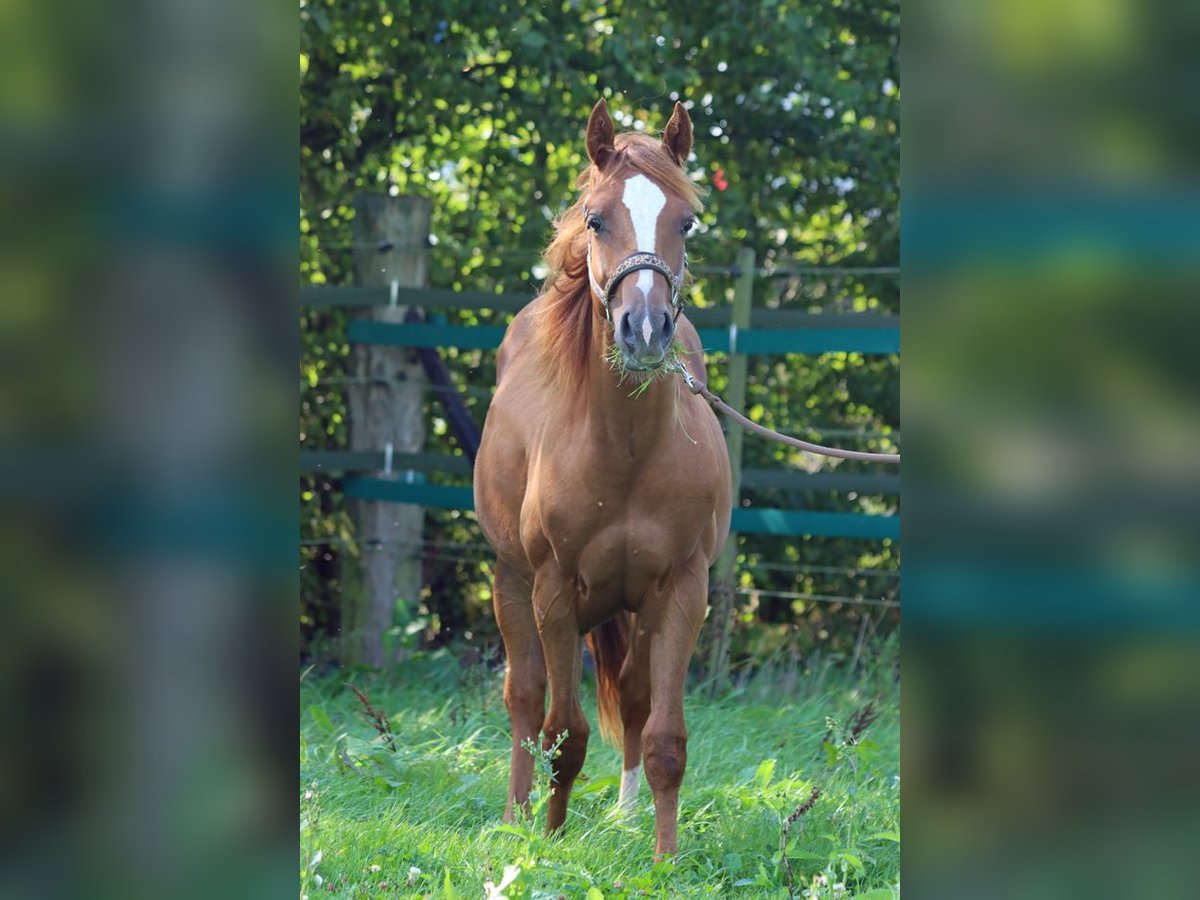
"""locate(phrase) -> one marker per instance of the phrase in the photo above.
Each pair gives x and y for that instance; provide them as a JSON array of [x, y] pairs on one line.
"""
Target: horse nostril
[[626, 330], [668, 329]]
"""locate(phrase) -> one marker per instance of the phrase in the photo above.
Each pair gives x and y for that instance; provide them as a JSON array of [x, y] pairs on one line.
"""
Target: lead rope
[[722, 407]]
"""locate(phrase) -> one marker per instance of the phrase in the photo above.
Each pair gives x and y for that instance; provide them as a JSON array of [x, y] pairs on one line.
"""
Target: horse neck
[[621, 422]]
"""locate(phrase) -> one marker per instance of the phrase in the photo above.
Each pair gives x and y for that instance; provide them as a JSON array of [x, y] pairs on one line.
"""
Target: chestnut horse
[[604, 488]]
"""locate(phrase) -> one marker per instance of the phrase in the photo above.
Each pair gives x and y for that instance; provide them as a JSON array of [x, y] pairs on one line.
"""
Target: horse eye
[[687, 226], [595, 224]]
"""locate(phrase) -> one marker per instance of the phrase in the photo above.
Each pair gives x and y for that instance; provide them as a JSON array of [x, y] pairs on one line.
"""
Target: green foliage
[[482, 107], [425, 821]]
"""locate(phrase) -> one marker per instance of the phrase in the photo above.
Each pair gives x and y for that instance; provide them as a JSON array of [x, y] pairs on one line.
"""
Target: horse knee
[[525, 698], [665, 759], [571, 751]]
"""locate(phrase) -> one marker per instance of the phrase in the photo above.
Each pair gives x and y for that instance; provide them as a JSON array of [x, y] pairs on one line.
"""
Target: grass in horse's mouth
[[643, 378]]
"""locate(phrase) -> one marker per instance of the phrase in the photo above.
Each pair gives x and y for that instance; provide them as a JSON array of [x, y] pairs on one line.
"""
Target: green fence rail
[[777, 331], [745, 520], [352, 461], [866, 339]]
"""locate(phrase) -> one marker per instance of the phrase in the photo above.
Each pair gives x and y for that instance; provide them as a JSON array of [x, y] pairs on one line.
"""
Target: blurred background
[[1051, 229], [147, 269]]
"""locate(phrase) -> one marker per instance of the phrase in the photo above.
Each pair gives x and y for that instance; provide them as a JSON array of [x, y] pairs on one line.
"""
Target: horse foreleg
[[562, 647], [673, 626], [524, 680]]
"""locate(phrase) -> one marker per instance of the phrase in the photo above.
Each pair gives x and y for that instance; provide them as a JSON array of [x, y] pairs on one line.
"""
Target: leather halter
[[635, 262]]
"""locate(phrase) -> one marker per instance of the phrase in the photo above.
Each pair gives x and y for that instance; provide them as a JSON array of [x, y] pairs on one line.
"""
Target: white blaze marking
[[645, 201], [630, 782], [645, 281]]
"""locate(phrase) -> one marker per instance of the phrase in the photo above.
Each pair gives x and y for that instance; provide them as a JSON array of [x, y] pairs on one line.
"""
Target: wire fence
[[819, 598], [429, 388], [442, 551]]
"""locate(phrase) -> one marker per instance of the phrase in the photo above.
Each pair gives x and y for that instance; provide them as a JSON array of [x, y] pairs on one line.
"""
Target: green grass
[[424, 820], [642, 379]]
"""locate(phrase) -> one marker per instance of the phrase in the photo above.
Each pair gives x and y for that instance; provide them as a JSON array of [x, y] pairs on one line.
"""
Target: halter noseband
[[634, 262]]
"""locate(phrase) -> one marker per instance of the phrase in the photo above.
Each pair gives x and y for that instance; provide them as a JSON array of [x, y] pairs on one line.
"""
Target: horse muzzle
[[643, 336]]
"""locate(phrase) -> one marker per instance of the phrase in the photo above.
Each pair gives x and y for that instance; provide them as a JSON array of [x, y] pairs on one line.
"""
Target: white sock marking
[[630, 782]]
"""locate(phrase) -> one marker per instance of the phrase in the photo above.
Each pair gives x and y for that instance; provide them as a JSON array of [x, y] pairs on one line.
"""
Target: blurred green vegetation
[[481, 107]]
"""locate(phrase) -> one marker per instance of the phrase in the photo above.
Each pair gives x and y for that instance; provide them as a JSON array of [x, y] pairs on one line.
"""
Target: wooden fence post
[[724, 571], [386, 400]]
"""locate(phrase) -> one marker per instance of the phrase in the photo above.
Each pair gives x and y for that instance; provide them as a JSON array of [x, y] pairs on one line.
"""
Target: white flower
[[318, 879], [375, 867], [496, 891]]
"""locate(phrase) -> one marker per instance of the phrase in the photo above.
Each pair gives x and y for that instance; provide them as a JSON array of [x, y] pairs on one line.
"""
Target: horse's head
[[638, 209]]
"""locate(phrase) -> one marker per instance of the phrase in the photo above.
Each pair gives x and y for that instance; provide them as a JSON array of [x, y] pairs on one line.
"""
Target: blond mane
[[563, 320]]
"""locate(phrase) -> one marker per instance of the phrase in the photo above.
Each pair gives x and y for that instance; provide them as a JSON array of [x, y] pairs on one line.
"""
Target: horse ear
[[600, 134], [678, 136]]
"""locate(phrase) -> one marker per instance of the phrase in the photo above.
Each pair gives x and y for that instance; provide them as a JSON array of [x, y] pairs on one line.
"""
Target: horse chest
[[616, 551]]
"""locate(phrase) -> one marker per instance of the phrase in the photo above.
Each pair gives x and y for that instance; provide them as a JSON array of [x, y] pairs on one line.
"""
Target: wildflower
[[496, 891]]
